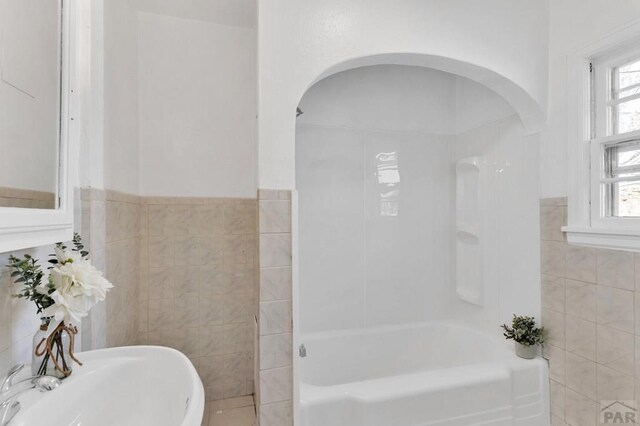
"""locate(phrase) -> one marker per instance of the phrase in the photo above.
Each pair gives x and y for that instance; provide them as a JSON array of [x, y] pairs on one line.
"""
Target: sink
[[128, 386]]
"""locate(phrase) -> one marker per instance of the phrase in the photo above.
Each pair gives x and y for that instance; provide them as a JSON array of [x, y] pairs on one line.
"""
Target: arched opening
[[413, 180], [531, 113]]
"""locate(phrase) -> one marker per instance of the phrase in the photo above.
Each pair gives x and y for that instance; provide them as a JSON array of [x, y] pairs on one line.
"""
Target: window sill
[[613, 239]]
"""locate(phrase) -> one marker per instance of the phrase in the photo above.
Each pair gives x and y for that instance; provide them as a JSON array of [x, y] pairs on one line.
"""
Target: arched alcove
[[417, 206], [530, 112]]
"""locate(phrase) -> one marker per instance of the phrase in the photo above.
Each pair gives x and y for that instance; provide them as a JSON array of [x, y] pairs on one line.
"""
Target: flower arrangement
[[64, 293]]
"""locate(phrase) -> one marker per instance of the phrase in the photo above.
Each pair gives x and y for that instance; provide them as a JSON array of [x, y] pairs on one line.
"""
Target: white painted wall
[[91, 78], [573, 24], [120, 97], [237, 13], [300, 40], [359, 268], [171, 105], [197, 108], [29, 94]]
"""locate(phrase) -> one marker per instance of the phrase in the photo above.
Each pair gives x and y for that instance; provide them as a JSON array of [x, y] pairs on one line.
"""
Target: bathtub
[[418, 375]]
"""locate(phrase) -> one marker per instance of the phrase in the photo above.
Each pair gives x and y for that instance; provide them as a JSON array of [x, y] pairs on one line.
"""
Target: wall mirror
[[36, 75]]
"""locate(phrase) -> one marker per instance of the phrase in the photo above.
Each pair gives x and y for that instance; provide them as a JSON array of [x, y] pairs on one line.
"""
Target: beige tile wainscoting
[[123, 235], [274, 398], [591, 309], [190, 263], [199, 268], [90, 220]]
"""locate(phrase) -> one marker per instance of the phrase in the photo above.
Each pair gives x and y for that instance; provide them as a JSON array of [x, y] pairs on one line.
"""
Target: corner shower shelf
[[467, 231], [469, 253]]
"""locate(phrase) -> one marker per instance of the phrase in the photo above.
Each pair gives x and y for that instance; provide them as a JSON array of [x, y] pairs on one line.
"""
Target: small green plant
[[36, 285], [524, 331], [27, 271]]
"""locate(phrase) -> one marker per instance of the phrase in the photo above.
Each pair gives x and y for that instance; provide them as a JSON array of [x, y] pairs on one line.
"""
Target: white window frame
[[587, 224]]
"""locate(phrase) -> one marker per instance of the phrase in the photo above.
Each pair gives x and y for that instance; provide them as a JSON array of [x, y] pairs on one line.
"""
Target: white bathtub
[[418, 375]]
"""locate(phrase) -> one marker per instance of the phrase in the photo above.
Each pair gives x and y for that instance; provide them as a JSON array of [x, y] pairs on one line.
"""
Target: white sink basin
[[130, 386]]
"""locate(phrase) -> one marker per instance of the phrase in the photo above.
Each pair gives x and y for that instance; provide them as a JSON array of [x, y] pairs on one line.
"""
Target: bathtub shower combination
[[417, 237]]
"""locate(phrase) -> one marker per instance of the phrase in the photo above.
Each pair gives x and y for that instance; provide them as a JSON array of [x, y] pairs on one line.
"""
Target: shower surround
[[390, 226]]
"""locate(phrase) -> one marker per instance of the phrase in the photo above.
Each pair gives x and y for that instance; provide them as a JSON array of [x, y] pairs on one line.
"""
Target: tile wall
[[90, 219], [591, 308], [184, 272], [123, 239], [274, 398], [199, 265]]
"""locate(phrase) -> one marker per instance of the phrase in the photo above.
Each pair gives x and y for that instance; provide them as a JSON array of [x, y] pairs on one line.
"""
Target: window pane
[[628, 156], [622, 179], [628, 199], [629, 75], [628, 116], [626, 93], [622, 160]]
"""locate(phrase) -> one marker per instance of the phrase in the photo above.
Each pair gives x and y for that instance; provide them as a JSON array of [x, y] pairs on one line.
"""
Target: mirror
[[30, 102]]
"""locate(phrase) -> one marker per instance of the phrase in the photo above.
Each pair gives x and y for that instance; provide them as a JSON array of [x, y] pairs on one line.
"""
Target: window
[[604, 142], [615, 140], [625, 98], [622, 179]]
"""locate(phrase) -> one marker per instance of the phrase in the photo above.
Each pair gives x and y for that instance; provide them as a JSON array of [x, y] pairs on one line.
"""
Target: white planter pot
[[526, 352]]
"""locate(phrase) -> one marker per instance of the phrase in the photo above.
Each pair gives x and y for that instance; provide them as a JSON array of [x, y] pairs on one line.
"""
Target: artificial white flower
[[78, 287]]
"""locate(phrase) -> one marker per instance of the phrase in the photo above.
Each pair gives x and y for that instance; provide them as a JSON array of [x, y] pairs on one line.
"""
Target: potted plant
[[526, 335]]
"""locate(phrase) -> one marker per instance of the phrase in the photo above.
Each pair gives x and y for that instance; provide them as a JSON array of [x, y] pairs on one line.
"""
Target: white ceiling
[[240, 13]]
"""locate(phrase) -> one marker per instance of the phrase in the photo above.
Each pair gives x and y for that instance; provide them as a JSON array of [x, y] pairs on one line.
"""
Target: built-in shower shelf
[[469, 247], [470, 296], [467, 232]]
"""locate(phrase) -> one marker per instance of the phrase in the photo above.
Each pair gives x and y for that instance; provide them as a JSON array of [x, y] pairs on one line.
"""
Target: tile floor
[[230, 412]]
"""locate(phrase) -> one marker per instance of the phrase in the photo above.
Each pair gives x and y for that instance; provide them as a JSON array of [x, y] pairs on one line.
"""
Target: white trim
[[614, 239], [601, 76], [627, 88], [586, 224], [620, 138], [24, 228], [622, 179], [620, 101]]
